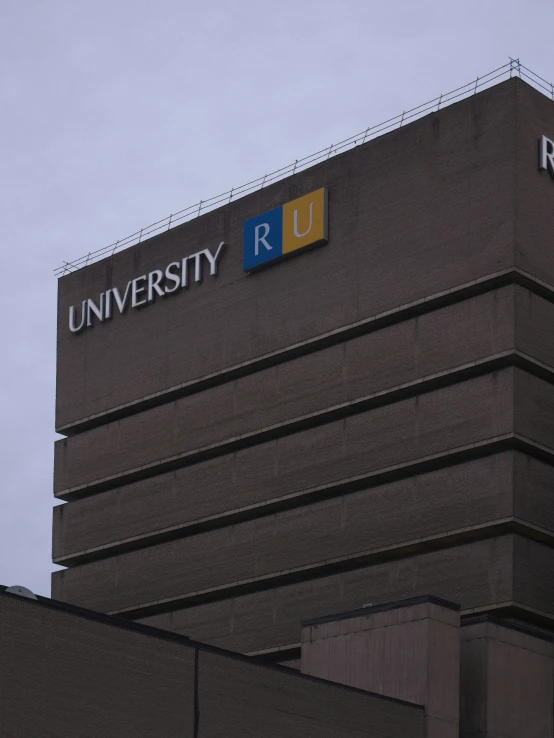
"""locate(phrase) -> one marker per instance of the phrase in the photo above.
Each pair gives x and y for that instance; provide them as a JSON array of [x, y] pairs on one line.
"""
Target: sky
[[115, 113]]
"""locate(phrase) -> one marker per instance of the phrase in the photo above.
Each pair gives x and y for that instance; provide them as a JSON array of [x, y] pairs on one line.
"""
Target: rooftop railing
[[513, 68]]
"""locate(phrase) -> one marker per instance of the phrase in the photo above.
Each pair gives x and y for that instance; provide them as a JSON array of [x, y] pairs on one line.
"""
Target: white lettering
[[301, 235], [77, 328], [197, 266], [136, 290], [154, 279], [546, 155], [122, 301], [261, 239], [98, 310], [175, 278], [214, 259], [145, 289], [108, 305], [185, 272]]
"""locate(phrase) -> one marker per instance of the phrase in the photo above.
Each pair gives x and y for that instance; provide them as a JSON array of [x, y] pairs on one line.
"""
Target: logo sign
[[546, 155], [286, 230]]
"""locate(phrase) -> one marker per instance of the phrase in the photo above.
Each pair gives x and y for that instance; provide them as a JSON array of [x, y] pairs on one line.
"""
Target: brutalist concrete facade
[[367, 422], [483, 676]]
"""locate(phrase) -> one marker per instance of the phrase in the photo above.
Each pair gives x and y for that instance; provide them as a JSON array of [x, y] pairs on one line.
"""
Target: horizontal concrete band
[[336, 452], [477, 624], [71, 461], [319, 343], [314, 388], [118, 449], [481, 575], [460, 473], [144, 582], [537, 639], [308, 385], [459, 420], [408, 312]]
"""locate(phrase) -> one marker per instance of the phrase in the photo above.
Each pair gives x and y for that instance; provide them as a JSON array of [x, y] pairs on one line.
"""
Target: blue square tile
[[263, 239]]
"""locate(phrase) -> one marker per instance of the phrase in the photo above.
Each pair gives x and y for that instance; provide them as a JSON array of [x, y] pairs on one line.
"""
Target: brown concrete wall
[[534, 408], [534, 574], [469, 412], [478, 575], [533, 485], [533, 317], [506, 683], [451, 171], [534, 188], [293, 663], [467, 494], [238, 699], [65, 674], [409, 651], [473, 411], [358, 527], [475, 328]]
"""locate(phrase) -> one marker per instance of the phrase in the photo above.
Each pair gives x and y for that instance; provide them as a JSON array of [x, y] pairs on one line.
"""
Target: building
[[256, 442], [91, 676], [405, 669]]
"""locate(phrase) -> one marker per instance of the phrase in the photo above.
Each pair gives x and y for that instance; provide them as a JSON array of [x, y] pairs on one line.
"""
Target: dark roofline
[[412, 601], [495, 620], [148, 630]]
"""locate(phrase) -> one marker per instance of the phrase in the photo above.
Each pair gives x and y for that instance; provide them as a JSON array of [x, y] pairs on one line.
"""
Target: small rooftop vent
[[21, 591]]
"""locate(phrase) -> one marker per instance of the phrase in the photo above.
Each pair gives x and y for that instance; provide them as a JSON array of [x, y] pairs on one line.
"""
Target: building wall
[[238, 699], [436, 174], [369, 421], [408, 650], [410, 357], [506, 678], [482, 574], [62, 675], [67, 673]]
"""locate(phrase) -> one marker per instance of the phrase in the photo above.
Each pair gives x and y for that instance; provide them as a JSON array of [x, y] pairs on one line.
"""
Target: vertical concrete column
[[506, 681], [409, 650]]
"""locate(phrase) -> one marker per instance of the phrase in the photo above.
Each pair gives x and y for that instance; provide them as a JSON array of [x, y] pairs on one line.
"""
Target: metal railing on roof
[[513, 68]]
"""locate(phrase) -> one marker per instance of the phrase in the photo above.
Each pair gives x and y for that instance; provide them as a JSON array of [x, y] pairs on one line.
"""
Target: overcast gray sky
[[115, 113]]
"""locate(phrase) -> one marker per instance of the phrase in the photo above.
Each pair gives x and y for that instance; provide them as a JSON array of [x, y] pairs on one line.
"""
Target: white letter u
[[72, 327], [301, 235]]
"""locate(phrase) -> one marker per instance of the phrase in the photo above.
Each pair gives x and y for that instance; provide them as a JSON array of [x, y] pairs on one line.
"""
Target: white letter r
[[261, 239]]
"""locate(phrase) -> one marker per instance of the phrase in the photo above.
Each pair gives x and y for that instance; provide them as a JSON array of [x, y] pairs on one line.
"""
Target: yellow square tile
[[305, 221]]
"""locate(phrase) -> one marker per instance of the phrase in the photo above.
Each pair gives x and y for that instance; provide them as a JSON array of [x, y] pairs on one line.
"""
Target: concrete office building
[[256, 442]]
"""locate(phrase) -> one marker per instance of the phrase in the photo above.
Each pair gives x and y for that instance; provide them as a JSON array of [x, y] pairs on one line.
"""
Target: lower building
[[73, 673], [401, 670]]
